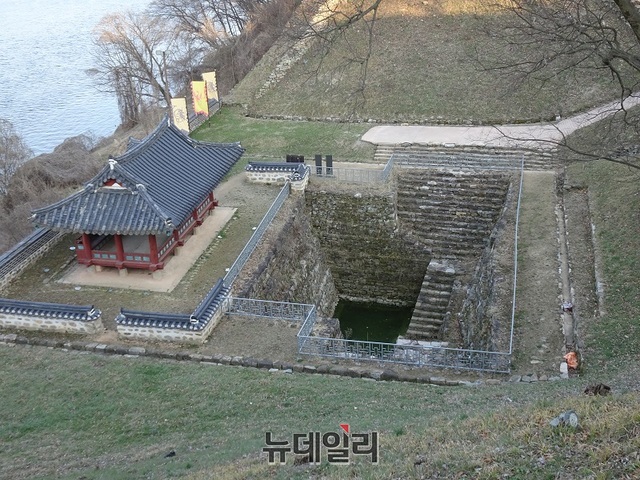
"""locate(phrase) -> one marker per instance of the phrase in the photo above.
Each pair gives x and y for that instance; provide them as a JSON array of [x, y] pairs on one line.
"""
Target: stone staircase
[[452, 213], [433, 302], [464, 157]]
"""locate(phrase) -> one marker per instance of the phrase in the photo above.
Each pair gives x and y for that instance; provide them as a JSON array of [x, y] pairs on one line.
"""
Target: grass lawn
[[274, 139], [73, 415]]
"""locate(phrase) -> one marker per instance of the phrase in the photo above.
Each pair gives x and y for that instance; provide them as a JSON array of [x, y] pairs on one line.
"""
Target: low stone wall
[[176, 327], [269, 177], [179, 335], [48, 317], [278, 173]]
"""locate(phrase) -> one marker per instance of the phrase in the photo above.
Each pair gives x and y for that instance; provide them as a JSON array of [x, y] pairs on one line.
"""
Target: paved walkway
[[523, 136]]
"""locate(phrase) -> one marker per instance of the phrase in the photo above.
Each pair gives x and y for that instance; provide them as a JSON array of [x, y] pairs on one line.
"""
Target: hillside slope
[[423, 68]]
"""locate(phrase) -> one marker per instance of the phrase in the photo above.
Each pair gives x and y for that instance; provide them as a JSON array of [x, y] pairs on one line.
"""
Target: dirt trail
[[539, 340]]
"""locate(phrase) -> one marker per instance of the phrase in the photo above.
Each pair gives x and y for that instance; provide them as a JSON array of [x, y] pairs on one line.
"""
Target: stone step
[[442, 177], [449, 203], [427, 316], [466, 158], [437, 294], [425, 327], [429, 224]]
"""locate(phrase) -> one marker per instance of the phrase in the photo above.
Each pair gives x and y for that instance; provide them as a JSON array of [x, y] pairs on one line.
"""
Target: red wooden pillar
[[153, 249], [176, 236], [86, 252], [119, 248]]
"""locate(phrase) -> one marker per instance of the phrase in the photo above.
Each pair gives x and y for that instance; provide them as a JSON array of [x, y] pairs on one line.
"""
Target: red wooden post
[[153, 249], [87, 255], [119, 247], [176, 236]]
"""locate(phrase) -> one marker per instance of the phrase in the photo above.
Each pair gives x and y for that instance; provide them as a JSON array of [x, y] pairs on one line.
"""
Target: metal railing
[[270, 309], [416, 355], [356, 175], [248, 249]]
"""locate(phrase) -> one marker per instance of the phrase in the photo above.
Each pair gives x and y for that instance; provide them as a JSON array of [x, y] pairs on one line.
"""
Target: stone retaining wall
[[289, 265], [370, 259], [485, 314]]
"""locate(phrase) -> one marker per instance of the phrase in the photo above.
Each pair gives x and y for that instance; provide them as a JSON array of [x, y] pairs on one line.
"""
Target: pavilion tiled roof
[[159, 181]]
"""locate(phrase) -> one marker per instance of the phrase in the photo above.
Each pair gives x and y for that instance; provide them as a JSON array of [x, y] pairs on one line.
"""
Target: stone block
[[136, 351], [405, 377], [323, 369], [236, 360], [389, 375], [10, 337], [442, 381], [264, 364], [250, 362], [309, 369]]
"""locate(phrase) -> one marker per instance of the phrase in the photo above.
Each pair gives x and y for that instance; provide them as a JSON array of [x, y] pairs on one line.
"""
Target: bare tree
[[134, 52], [13, 153], [561, 37], [214, 22]]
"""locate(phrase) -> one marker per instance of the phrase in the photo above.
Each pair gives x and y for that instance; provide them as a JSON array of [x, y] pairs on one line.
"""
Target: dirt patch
[[254, 337]]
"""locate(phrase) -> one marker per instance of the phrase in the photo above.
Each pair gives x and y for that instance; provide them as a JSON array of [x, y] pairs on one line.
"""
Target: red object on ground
[[572, 360]]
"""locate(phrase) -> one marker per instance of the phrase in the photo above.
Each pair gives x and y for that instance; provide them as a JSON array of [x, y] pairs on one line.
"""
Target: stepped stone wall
[[451, 213], [370, 260], [289, 265], [466, 157]]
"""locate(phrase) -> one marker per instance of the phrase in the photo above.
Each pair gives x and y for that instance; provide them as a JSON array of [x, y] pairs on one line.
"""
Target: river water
[[45, 53]]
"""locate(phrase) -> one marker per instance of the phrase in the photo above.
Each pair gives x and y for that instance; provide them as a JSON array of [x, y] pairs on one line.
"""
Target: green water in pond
[[372, 322]]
